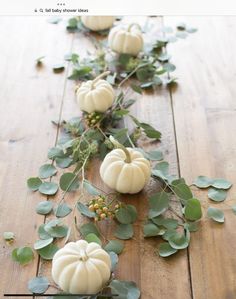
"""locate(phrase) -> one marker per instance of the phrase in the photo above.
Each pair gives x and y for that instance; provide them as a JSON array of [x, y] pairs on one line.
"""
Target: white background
[[120, 7]]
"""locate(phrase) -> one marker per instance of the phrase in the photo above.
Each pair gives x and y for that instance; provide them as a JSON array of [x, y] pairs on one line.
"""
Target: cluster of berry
[[102, 210]]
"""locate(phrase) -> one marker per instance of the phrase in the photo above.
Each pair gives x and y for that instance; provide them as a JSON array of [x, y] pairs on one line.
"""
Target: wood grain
[[156, 277], [205, 118], [30, 99]]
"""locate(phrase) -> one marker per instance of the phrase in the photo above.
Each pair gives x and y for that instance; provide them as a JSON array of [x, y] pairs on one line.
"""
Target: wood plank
[[157, 278], [30, 98], [205, 118]]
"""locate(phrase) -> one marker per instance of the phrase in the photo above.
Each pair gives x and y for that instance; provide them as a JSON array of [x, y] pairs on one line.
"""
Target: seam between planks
[[179, 173], [57, 132]]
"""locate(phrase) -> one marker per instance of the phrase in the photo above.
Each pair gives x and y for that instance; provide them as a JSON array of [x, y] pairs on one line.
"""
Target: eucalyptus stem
[[132, 73]]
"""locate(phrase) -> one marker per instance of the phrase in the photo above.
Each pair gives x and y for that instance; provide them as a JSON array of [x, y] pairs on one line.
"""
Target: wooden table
[[197, 119]]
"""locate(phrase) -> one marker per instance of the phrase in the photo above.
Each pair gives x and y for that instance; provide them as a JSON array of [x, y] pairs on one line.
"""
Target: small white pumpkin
[[81, 267], [95, 95], [97, 23], [125, 169], [126, 40]]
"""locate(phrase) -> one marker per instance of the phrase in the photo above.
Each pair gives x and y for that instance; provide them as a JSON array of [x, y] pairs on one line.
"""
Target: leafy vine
[[93, 135]]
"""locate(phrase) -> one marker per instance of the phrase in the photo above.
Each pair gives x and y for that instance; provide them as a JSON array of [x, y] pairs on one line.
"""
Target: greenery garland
[[92, 136]]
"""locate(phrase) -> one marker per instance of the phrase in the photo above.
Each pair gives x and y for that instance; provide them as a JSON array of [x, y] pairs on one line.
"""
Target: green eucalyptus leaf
[[90, 188], [126, 214], [219, 183], [8, 236], [166, 250], [84, 210], [56, 229], [38, 285], [150, 230], [161, 170], [114, 260], [179, 241], [158, 203], [217, 194], [48, 188], [89, 228], [58, 68], [182, 190], [69, 182], [63, 162], [46, 171], [23, 255], [42, 233], [155, 155], [48, 252], [62, 210], [93, 238], [125, 289], [216, 215], [124, 231], [34, 183], [202, 182], [136, 88], [192, 226], [114, 246], [55, 152], [44, 207], [193, 209], [39, 244]]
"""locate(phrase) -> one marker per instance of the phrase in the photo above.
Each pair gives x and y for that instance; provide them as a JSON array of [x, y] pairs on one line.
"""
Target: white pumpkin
[[95, 95], [125, 169], [97, 23], [126, 40], [81, 267]]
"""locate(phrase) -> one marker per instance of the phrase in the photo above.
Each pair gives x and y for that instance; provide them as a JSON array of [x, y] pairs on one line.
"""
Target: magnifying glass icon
[[41, 10]]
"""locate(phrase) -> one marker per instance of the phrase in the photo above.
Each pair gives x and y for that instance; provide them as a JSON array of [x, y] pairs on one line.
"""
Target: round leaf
[[48, 252], [48, 188], [124, 231], [42, 233], [63, 162], [126, 214], [179, 241], [38, 285], [62, 210], [217, 195], [166, 250], [89, 228], [125, 289], [39, 244], [115, 246], [193, 209], [69, 182], [84, 210], [221, 184], [158, 203], [216, 214], [114, 260], [150, 230], [34, 183], [44, 207], [203, 182], [23, 255], [46, 171], [93, 238]]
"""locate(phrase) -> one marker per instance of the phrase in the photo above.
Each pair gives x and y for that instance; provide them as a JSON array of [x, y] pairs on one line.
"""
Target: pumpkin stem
[[123, 148], [104, 74], [83, 256], [134, 25]]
